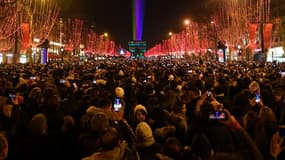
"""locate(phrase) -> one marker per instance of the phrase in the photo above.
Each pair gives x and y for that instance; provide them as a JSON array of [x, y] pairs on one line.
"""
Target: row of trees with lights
[[21, 20], [28, 25], [77, 39], [239, 27]]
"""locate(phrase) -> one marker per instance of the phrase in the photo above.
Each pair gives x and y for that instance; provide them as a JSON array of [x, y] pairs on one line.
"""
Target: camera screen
[[62, 81], [117, 105], [33, 77], [12, 95], [257, 98], [218, 115], [282, 131], [209, 93]]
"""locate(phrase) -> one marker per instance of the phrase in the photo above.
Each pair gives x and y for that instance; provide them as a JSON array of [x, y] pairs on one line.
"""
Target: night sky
[[115, 16]]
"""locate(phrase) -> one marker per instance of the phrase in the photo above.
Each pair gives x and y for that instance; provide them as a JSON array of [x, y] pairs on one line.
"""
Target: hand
[[217, 106], [119, 115], [230, 121], [200, 102], [254, 103]]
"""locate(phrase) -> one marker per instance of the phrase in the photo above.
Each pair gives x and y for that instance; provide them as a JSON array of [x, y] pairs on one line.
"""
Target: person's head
[[37, 125], [104, 103], [68, 123], [144, 135], [109, 139], [5, 106], [119, 92], [172, 148], [277, 95], [140, 113], [3, 147], [99, 122], [266, 126], [254, 87]]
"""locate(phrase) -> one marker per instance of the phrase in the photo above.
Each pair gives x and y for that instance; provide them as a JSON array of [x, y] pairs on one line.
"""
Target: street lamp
[[61, 51], [187, 24], [170, 34], [186, 21], [106, 34]]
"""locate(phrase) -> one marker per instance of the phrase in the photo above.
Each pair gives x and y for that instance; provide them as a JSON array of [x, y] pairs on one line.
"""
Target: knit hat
[[134, 80], [171, 77], [121, 73], [119, 92], [37, 125], [144, 134], [139, 107]]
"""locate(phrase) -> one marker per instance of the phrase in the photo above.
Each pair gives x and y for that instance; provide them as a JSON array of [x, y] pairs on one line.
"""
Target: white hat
[[134, 80], [144, 134], [171, 77], [119, 92], [121, 73], [140, 107]]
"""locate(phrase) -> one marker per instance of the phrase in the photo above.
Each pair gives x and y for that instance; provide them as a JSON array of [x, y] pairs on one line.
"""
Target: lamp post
[[169, 46], [187, 25], [61, 51], [213, 23]]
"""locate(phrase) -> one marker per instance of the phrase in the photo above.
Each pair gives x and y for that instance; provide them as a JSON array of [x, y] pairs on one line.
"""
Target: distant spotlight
[[122, 52]]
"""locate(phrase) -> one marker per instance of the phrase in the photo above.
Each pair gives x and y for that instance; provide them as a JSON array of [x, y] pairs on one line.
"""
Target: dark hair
[[109, 139], [172, 148], [103, 103]]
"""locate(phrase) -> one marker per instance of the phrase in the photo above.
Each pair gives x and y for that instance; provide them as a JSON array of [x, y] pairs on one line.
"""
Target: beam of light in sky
[[138, 17]]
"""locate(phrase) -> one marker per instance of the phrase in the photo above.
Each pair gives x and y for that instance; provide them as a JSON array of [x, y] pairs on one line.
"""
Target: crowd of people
[[159, 109]]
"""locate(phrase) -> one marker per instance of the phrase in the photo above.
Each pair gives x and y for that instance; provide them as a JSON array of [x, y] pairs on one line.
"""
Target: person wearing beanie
[[119, 92], [171, 77], [144, 135], [147, 148], [140, 113], [121, 73]]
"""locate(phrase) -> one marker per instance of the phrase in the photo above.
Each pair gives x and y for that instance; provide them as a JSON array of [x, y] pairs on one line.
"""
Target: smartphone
[[282, 134], [217, 115], [94, 81], [117, 104], [12, 95], [32, 77], [257, 98], [74, 85], [282, 131], [209, 93], [62, 81]]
